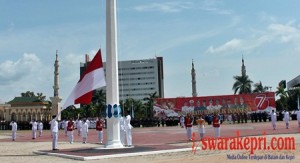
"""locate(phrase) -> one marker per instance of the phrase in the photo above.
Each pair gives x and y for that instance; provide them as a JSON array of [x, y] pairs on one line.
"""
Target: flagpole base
[[113, 144]]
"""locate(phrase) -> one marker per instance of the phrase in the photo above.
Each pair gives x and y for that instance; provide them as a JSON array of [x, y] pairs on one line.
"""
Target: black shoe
[[55, 149]]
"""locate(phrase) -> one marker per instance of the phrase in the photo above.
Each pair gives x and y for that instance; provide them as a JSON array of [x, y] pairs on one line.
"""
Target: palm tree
[[242, 84], [149, 103], [282, 102], [98, 101], [139, 109], [259, 88], [40, 96]]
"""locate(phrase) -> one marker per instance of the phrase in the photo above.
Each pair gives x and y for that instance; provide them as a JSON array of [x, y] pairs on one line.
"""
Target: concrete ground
[[154, 144]]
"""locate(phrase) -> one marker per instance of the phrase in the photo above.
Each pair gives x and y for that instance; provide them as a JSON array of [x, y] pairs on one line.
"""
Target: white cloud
[[168, 7], [286, 33], [213, 7], [274, 32], [11, 71], [228, 46]]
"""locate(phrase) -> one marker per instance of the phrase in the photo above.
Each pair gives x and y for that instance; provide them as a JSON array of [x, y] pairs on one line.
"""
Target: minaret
[[56, 99], [194, 89], [56, 87], [243, 67]]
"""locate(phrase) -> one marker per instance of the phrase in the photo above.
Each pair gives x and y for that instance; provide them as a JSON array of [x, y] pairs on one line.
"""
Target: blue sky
[[215, 34]]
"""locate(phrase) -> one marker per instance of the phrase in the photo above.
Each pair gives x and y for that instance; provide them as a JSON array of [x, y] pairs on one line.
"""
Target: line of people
[[125, 130], [187, 123], [286, 118], [35, 127], [82, 129]]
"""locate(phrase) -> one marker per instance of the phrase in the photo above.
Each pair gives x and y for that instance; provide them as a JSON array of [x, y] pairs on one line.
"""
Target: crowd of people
[[82, 125]]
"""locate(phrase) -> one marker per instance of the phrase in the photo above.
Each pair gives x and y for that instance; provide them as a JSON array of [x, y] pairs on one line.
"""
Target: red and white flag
[[93, 78]]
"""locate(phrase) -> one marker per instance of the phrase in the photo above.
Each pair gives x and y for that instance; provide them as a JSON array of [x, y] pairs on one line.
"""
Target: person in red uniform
[[99, 129], [216, 125], [188, 123], [70, 128]]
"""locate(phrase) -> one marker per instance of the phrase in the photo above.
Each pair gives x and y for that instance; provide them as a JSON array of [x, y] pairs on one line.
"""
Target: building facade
[[25, 109], [138, 78], [294, 83]]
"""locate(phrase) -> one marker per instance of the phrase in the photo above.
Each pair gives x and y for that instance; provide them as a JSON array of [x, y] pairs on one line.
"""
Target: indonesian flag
[[93, 78]]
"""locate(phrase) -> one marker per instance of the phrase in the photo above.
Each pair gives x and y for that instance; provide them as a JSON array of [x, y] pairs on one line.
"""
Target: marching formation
[[188, 121], [83, 125]]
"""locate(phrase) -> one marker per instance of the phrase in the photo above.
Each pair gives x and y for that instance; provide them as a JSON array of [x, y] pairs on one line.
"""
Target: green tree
[[242, 84], [134, 105], [28, 94], [98, 103], [281, 103], [149, 103], [70, 112], [259, 88], [40, 96]]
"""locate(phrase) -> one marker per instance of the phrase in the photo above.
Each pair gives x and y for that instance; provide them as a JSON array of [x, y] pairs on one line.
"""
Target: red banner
[[223, 104]]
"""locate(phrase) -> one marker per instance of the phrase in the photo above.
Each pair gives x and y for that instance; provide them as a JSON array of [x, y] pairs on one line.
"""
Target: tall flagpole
[[112, 82]]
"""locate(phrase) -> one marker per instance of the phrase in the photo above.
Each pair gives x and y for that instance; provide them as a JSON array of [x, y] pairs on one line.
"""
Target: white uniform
[[128, 128], [229, 118], [286, 119], [14, 128], [122, 131], [70, 132], [79, 127], [65, 127], [201, 128], [182, 121], [40, 128], [85, 130], [54, 129], [34, 128], [298, 117], [274, 119]]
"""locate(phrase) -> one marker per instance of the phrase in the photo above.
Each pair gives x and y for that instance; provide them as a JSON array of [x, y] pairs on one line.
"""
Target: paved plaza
[[153, 144]]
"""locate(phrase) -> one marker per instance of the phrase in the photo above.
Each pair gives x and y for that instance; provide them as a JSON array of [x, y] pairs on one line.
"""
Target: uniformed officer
[[286, 118], [85, 130], [128, 128], [14, 128], [188, 122], [216, 125], [70, 128], [54, 129], [273, 119], [40, 128], [33, 128], [99, 129]]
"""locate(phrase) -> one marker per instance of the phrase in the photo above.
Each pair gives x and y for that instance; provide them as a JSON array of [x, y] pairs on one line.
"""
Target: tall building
[[137, 78], [294, 84]]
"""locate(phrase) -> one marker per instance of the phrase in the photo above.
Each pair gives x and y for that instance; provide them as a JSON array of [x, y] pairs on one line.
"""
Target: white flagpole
[[112, 86]]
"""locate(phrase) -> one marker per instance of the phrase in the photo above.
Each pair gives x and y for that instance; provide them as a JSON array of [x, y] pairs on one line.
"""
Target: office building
[[138, 78]]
